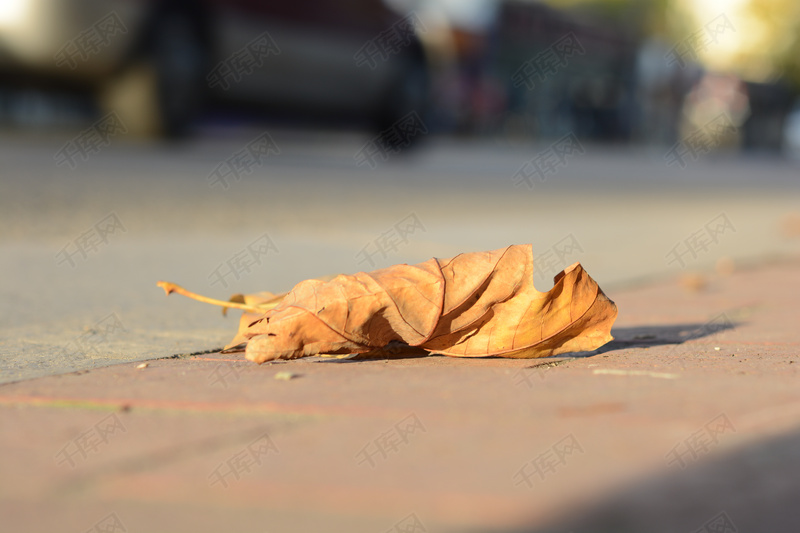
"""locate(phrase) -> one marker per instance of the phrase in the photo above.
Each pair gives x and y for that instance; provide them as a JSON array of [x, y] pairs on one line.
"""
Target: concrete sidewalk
[[82, 248], [690, 417]]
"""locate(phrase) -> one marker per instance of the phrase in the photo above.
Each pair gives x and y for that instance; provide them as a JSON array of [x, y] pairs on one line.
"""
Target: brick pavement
[[691, 413]]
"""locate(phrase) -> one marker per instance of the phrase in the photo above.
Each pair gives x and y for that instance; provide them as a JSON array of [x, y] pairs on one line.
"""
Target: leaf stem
[[169, 288]]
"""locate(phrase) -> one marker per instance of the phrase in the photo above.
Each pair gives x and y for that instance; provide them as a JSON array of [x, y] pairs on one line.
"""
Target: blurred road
[[82, 244]]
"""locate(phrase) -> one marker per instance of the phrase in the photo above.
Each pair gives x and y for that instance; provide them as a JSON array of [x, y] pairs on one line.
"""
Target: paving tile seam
[[342, 499], [124, 404], [786, 414], [151, 460]]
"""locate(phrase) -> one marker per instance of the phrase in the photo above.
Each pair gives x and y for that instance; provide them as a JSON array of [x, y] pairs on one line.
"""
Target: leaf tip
[[168, 287]]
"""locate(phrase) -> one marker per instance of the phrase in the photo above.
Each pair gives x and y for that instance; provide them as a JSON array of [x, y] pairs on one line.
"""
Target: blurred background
[[642, 72]]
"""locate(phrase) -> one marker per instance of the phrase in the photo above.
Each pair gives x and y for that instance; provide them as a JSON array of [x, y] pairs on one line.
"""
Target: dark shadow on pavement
[[752, 489], [647, 336]]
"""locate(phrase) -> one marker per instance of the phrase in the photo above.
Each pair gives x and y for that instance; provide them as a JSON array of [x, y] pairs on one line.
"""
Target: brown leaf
[[473, 305]]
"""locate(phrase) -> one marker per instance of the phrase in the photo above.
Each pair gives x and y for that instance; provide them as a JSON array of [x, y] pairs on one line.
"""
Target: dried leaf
[[472, 305]]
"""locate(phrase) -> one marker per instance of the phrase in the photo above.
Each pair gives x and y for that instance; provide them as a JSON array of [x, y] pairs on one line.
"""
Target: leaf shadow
[[648, 336], [624, 338], [393, 350]]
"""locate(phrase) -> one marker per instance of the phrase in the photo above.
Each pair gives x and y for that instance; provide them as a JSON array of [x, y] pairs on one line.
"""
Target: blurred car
[[157, 63]]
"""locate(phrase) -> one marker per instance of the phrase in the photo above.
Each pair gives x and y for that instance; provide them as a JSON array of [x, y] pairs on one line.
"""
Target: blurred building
[[526, 69], [564, 75]]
